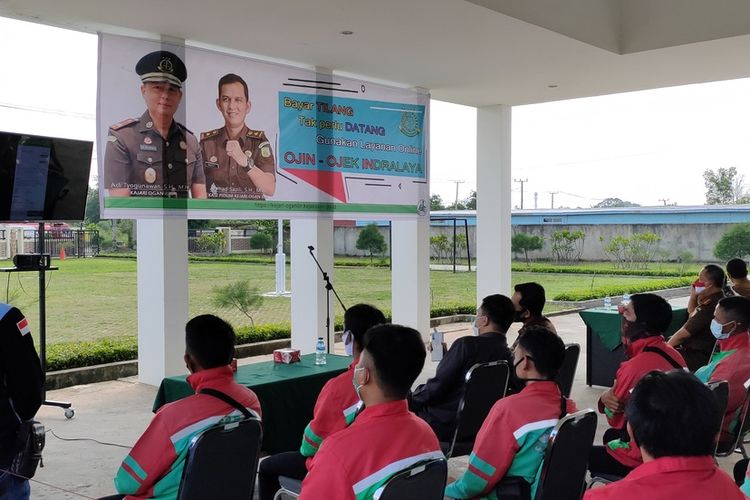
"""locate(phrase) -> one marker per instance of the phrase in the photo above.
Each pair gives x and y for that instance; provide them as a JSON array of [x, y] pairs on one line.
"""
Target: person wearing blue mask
[[436, 401], [335, 409], [731, 361]]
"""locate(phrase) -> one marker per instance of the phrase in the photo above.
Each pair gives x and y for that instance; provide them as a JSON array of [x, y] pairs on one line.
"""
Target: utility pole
[[455, 204], [536, 195], [552, 201], [521, 181], [664, 200]]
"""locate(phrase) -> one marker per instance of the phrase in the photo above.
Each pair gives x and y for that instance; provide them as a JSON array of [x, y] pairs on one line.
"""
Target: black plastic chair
[[567, 371], [720, 389], [425, 481], [735, 443], [485, 384], [221, 462], [565, 462]]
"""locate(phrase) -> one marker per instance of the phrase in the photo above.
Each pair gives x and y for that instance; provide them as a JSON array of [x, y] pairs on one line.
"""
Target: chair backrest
[[221, 462], [736, 434], [485, 384], [720, 389], [425, 481], [565, 462], [567, 371]]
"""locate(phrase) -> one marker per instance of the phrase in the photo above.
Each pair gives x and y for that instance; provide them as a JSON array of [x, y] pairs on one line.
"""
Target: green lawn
[[94, 298]]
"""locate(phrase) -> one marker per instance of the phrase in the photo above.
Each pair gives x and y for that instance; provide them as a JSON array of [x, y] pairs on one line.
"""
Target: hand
[[609, 400], [235, 152]]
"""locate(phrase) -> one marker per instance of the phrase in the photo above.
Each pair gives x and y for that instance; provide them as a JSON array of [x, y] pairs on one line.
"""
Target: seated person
[[694, 339], [528, 301], [335, 409], [508, 444], [386, 437], [674, 419], [153, 468], [644, 321], [731, 361], [437, 400], [737, 272]]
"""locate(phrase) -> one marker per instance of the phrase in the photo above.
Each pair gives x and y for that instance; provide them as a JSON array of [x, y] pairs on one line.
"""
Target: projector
[[32, 261]]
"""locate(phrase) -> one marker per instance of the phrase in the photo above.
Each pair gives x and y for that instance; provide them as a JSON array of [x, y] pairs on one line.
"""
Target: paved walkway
[[117, 412]]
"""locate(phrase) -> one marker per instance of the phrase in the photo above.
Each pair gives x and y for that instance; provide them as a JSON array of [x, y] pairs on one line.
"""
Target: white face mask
[[716, 330], [348, 339], [699, 289]]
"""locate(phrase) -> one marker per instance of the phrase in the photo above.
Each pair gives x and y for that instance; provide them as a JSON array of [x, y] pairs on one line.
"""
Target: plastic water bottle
[[320, 352], [607, 303], [625, 299]]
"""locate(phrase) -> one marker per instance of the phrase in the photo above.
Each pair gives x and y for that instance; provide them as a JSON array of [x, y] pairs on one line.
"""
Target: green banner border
[[253, 205]]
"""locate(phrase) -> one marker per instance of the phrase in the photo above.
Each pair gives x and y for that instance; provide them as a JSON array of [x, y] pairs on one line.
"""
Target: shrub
[[261, 240], [735, 243], [522, 242], [239, 295], [605, 291], [567, 246], [635, 252], [440, 246], [371, 240], [212, 243]]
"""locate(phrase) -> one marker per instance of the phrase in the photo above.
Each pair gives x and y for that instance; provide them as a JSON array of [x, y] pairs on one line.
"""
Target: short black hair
[[210, 341], [653, 311], [532, 297], [359, 318], [398, 354], [499, 309], [737, 268], [737, 308], [230, 78], [673, 414], [716, 275], [545, 347]]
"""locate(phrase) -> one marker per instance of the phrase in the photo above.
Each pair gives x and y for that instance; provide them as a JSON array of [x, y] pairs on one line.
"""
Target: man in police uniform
[[154, 155], [238, 160], [21, 384]]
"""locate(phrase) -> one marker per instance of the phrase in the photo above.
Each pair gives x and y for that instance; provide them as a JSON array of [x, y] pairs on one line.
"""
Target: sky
[[643, 147]]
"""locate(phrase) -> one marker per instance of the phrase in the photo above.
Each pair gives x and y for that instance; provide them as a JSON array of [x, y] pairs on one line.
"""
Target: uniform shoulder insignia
[[210, 134], [124, 123], [255, 134]]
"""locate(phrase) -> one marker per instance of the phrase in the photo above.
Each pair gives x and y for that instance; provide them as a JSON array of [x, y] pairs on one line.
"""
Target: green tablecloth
[[606, 323], [287, 395]]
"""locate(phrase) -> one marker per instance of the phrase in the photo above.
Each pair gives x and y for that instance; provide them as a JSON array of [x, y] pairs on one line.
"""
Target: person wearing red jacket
[[385, 438], [335, 409], [153, 468], [514, 436], [674, 419], [644, 321]]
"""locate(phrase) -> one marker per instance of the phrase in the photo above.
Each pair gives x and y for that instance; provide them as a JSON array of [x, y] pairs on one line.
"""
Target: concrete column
[[308, 287], [410, 276], [493, 200], [162, 297]]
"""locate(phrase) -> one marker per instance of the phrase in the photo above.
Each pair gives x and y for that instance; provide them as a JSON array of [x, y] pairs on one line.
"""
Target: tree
[[92, 207], [567, 246], [735, 243], [210, 242], [471, 201], [239, 295], [371, 240], [614, 203], [436, 202], [261, 240], [522, 242], [440, 245], [724, 187]]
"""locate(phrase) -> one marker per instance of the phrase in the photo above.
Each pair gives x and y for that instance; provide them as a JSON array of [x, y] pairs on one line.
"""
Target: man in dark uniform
[[21, 384], [238, 160], [154, 155]]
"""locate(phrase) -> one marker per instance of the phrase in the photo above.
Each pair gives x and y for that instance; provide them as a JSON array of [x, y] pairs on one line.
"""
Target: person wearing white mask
[[731, 361], [694, 340], [337, 405], [437, 400]]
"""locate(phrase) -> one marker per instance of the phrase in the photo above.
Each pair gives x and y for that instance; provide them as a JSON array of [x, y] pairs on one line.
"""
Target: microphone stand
[[329, 288]]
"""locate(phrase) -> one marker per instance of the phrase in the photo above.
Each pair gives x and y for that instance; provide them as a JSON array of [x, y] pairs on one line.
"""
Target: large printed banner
[[216, 136]]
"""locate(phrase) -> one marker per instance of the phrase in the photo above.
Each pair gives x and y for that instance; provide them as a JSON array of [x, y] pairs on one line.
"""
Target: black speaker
[[32, 261]]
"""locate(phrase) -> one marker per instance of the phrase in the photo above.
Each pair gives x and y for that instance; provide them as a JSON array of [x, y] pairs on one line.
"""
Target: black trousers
[[602, 463], [289, 464]]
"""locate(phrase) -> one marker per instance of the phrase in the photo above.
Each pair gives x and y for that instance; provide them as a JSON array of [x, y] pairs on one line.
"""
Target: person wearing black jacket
[[21, 390], [437, 400]]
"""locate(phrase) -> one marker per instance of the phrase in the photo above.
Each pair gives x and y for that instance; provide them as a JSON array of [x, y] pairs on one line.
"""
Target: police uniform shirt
[[225, 178], [138, 158]]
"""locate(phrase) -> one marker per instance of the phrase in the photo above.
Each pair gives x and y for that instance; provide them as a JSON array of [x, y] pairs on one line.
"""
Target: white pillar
[[493, 200], [308, 287], [410, 276], [162, 297]]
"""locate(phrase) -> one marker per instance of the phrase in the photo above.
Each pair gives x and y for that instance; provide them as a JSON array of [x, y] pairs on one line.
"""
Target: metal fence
[[77, 243]]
